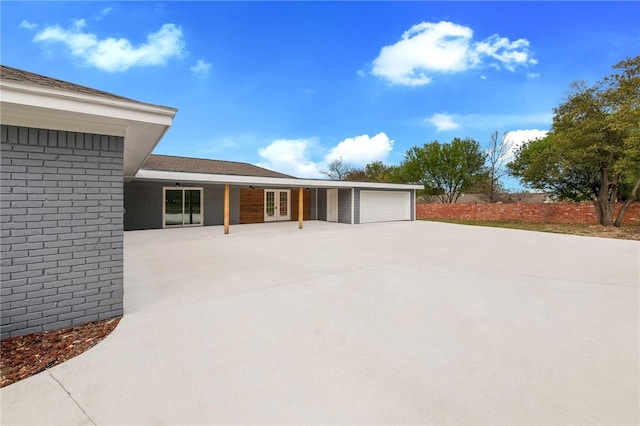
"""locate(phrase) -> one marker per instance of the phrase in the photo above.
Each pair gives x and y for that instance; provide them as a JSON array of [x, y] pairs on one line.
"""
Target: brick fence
[[575, 213]]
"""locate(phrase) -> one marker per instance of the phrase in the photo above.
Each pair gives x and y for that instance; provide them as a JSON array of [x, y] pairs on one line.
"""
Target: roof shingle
[[32, 79], [170, 163]]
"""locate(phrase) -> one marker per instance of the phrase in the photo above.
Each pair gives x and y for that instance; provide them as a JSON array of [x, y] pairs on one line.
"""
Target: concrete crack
[[68, 393]]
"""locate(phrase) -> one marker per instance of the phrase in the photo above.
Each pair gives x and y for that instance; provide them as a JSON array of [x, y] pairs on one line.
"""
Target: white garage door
[[383, 206]]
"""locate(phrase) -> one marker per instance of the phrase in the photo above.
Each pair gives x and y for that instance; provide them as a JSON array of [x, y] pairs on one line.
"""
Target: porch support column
[[226, 209], [300, 206]]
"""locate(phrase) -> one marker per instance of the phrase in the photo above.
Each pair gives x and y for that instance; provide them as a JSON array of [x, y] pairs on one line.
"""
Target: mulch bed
[[24, 356]]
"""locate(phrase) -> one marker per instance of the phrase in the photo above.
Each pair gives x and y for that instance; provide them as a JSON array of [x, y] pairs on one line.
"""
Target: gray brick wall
[[61, 228], [143, 205], [344, 205]]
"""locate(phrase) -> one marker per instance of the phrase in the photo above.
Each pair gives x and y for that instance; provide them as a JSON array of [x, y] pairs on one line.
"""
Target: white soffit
[[141, 125], [272, 182]]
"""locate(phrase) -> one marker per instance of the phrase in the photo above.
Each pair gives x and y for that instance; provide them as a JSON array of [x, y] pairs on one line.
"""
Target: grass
[[627, 232]]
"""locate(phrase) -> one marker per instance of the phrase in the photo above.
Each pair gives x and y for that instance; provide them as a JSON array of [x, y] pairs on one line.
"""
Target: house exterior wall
[[413, 205], [344, 205], [251, 205], [308, 197], [61, 227], [356, 205], [313, 214], [322, 204], [214, 205], [143, 204]]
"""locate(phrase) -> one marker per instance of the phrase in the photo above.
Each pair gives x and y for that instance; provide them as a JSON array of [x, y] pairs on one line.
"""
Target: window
[[182, 207]]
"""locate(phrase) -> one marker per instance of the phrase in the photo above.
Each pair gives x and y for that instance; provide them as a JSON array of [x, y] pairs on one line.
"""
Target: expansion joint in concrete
[[72, 398]]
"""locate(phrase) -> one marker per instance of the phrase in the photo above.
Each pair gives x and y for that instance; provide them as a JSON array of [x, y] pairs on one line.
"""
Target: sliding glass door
[[182, 207]]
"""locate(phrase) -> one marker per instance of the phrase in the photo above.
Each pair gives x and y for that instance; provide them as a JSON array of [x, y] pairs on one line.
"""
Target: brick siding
[[61, 229], [574, 213]]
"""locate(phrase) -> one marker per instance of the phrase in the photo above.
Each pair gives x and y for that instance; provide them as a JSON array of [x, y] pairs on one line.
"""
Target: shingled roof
[[170, 163], [32, 79]]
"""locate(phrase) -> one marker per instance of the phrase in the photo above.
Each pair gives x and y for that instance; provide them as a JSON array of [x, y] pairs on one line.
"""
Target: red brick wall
[[577, 213]]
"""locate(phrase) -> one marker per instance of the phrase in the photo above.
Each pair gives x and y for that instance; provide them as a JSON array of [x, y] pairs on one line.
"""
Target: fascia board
[[85, 104], [144, 174]]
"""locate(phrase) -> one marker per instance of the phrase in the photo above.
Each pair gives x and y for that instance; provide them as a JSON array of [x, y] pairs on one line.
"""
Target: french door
[[182, 207], [277, 205]]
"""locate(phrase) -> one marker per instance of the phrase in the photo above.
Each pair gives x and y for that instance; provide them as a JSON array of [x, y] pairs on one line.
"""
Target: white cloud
[[443, 122], [289, 156], [506, 53], [104, 12], [201, 68], [428, 48], [518, 137], [361, 150], [27, 25], [491, 122], [111, 54]]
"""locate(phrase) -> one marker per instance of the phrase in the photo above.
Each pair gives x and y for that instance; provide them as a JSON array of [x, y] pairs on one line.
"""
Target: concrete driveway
[[393, 323]]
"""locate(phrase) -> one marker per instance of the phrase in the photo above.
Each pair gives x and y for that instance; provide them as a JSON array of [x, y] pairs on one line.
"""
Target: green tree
[[593, 150], [446, 170], [622, 93], [376, 172]]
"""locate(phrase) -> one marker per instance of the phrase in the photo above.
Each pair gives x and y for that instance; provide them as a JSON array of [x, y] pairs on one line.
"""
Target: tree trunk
[[599, 213], [493, 184], [632, 198], [604, 205]]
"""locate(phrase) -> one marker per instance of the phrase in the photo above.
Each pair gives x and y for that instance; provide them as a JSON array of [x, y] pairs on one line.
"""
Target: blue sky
[[293, 85]]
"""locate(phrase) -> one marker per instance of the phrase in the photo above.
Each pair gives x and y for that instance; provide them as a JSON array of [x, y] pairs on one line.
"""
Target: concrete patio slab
[[403, 323]]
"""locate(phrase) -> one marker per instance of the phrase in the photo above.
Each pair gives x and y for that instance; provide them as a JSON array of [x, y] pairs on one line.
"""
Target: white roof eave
[[141, 125], [204, 178]]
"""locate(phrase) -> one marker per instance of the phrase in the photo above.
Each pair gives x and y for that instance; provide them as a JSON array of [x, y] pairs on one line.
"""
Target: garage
[[384, 206]]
